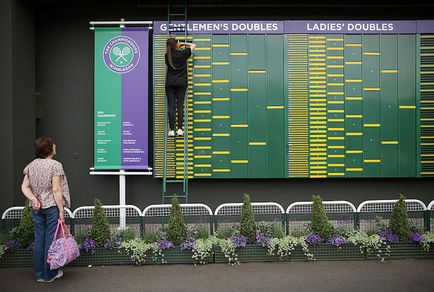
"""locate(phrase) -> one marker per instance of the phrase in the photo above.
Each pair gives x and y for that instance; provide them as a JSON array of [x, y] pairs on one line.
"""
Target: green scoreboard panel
[[303, 105]]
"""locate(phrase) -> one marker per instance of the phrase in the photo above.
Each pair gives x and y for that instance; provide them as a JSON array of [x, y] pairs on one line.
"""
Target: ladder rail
[[185, 124]]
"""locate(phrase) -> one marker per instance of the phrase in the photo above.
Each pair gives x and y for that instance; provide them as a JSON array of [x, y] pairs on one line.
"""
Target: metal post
[[122, 199]]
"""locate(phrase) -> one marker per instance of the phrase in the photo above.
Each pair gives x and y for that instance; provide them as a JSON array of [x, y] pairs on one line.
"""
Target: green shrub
[[202, 233], [177, 230], [100, 231], [81, 235], [150, 237], [399, 219], [127, 234], [25, 232], [271, 229], [4, 237], [247, 221], [277, 230], [224, 233], [320, 222]]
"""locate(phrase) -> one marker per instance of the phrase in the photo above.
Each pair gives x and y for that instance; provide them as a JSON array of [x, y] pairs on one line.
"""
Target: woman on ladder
[[176, 81]]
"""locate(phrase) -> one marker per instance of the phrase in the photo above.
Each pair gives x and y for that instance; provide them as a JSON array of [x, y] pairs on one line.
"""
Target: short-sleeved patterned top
[[41, 173]]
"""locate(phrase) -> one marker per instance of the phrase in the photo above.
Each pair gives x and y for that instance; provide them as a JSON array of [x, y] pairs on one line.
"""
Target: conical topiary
[[320, 222], [247, 220], [25, 232], [399, 220], [100, 231], [177, 230]]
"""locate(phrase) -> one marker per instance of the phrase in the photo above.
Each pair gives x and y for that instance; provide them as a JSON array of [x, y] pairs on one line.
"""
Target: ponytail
[[171, 44]]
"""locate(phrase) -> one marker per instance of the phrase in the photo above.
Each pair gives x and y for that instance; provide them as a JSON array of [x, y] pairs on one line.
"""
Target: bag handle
[[60, 226]]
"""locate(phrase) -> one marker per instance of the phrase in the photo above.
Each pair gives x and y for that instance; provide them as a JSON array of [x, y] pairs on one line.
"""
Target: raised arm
[[190, 45]]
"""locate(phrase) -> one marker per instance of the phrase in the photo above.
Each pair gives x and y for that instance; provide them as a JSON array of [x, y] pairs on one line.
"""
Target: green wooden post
[[287, 223], [211, 224], [72, 226], [356, 221]]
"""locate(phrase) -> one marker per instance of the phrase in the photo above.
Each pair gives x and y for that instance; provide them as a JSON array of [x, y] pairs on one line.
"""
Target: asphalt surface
[[392, 275]]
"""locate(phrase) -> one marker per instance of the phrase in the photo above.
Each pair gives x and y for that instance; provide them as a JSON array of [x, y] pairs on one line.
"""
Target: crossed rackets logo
[[122, 55]]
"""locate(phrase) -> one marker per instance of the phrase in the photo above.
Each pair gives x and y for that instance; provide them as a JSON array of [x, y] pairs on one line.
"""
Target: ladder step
[[174, 181], [177, 14], [178, 196]]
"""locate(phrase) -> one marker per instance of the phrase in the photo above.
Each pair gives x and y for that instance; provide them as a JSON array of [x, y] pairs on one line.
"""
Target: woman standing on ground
[[176, 81], [46, 187]]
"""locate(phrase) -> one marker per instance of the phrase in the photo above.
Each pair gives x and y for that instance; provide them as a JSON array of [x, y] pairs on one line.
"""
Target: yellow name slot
[[239, 161]]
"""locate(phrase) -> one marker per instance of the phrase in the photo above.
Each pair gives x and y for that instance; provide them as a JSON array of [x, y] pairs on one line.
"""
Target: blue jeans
[[45, 225]]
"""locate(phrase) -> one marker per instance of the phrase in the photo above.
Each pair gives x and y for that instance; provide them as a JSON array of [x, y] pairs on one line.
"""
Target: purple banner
[[223, 27], [300, 26], [425, 26], [135, 103], [356, 27]]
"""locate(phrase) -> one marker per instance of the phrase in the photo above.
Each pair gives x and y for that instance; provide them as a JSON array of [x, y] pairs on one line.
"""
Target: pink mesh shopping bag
[[64, 249]]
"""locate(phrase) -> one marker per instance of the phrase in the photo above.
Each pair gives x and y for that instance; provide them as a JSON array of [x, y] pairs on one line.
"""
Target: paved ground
[[392, 275]]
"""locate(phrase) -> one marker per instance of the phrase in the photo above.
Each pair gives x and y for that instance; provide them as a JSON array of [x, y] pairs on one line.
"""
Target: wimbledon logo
[[121, 54]]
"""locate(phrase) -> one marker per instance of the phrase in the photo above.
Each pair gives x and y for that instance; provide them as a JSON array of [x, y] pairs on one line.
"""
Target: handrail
[[253, 204], [107, 207], [21, 208], [324, 202], [430, 205], [389, 201], [181, 205]]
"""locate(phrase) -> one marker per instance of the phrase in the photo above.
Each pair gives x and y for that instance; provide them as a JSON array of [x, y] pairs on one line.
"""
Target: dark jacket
[[179, 75]]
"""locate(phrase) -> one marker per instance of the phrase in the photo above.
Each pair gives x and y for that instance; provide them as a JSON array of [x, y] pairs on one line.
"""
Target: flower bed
[[328, 252], [174, 256], [404, 250], [250, 253]]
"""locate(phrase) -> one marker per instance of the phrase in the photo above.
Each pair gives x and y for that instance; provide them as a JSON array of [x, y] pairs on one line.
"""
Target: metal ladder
[[166, 198]]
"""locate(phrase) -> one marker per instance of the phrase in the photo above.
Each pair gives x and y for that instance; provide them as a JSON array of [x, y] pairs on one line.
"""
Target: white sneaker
[[59, 274], [180, 132], [171, 133]]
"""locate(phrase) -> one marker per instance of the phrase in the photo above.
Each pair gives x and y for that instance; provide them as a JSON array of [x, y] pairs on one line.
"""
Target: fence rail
[[294, 219], [369, 212], [340, 214]]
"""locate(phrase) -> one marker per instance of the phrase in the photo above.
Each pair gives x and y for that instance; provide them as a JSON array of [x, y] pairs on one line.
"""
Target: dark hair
[[170, 44], [43, 147]]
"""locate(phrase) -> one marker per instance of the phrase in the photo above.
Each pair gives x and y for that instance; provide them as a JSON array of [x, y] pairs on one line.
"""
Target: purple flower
[[263, 240], [238, 241], [313, 239], [89, 245], [388, 235], [416, 237], [113, 242], [188, 244], [13, 244], [164, 244], [337, 240]]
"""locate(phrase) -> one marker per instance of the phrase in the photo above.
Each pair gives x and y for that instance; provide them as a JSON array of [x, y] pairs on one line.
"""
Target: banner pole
[[122, 199]]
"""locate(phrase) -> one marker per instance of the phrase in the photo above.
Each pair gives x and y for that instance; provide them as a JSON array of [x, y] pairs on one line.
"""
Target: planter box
[[103, 257], [24, 258], [251, 253], [174, 256], [404, 250], [327, 252], [17, 258]]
